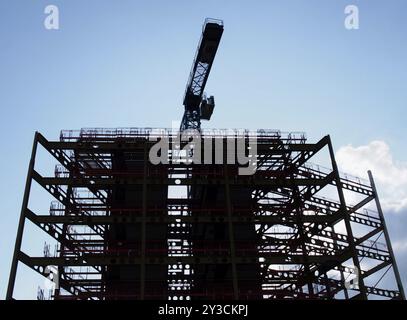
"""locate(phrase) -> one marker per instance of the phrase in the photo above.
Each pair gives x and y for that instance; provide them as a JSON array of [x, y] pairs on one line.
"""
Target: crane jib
[[205, 55]]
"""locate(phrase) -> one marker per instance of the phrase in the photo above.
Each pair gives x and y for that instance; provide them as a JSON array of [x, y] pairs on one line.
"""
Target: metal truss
[[201, 67], [286, 240]]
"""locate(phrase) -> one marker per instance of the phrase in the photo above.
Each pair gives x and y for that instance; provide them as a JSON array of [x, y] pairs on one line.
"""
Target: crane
[[197, 105]]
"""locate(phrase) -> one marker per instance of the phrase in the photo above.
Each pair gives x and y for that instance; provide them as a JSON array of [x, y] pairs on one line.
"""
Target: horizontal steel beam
[[105, 260], [241, 180], [103, 220]]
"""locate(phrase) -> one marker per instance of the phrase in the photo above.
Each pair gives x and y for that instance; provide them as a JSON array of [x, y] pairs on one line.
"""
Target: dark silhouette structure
[[123, 233]]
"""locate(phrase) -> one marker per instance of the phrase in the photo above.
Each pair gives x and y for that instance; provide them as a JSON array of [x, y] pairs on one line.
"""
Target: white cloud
[[400, 246], [390, 175]]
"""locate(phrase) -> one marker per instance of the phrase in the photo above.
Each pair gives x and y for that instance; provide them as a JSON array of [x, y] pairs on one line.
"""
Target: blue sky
[[288, 65]]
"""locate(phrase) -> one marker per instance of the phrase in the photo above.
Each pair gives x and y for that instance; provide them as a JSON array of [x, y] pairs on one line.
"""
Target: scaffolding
[[128, 229]]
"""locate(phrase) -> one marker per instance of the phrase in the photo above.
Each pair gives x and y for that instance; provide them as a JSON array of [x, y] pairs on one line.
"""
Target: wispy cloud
[[400, 246], [390, 175]]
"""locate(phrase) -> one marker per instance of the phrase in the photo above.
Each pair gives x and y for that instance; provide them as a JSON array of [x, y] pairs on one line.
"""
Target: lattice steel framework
[[271, 235]]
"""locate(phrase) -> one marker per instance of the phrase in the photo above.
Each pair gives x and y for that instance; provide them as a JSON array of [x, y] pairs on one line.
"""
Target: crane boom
[[197, 106]]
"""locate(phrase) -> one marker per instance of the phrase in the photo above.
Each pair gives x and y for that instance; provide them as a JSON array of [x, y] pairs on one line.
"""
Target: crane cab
[[207, 106]]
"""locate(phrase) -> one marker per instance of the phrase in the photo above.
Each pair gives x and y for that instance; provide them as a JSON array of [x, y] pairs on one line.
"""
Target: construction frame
[[129, 229]]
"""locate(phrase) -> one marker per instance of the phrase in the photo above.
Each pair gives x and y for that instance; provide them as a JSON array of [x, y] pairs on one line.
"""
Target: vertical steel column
[[143, 225], [19, 238], [231, 234], [345, 291], [300, 224], [346, 219], [387, 236]]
